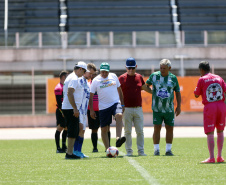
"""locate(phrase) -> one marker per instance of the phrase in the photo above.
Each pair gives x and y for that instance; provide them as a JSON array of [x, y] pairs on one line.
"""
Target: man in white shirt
[[109, 93], [72, 100]]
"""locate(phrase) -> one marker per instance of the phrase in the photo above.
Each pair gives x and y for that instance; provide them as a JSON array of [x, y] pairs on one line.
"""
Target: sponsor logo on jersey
[[163, 93], [211, 125], [214, 92]]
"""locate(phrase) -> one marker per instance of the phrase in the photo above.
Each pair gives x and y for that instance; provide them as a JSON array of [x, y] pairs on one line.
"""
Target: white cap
[[82, 65]]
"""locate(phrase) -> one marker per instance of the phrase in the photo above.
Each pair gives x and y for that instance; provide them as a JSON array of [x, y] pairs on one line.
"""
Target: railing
[[111, 39]]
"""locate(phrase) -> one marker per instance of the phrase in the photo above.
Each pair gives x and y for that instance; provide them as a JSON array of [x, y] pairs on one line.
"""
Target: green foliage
[[36, 162]]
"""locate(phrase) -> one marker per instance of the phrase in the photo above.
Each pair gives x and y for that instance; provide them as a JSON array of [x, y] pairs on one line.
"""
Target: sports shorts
[[106, 115], [82, 120], [159, 117], [72, 123], [60, 119], [214, 116], [93, 123]]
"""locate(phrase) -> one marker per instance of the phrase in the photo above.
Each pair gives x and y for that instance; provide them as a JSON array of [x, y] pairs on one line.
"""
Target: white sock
[[168, 147], [156, 147]]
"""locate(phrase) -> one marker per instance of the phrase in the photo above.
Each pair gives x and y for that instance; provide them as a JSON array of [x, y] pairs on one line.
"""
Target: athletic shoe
[[209, 160], [142, 154], [95, 150], [72, 156], [60, 150], [82, 155], [64, 148], [220, 159], [129, 154], [120, 141], [156, 152], [169, 153]]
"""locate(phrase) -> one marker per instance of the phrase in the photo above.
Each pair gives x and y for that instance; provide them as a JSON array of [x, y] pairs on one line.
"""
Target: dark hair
[[204, 65], [91, 66], [63, 73]]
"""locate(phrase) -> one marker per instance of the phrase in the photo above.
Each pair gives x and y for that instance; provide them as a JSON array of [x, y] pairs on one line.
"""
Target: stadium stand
[[202, 15], [31, 16], [121, 15]]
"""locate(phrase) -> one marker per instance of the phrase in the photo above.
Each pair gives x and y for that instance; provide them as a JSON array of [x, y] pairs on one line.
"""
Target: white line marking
[[139, 168]]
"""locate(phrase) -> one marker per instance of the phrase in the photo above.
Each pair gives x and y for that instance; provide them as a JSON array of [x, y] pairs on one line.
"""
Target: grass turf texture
[[36, 162]]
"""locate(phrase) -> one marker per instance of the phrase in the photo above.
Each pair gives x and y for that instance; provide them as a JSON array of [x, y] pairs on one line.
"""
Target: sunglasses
[[130, 68]]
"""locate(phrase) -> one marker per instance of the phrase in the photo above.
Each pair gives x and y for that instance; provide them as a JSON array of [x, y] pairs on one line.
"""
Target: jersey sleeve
[[93, 87], [177, 87], [198, 89], [142, 80], [73, 83], [150, 80]]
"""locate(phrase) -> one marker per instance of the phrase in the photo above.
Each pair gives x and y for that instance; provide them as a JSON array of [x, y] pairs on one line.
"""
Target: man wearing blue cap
[[132, 83]]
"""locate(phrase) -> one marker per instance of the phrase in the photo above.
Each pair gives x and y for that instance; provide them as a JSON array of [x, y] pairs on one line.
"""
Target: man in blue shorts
[[109, 93]]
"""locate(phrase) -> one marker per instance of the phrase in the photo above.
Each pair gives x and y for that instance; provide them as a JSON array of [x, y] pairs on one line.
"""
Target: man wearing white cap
[[73, 93]]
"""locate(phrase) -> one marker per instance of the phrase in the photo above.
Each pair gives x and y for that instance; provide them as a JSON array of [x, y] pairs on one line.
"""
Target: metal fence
[[111, 39]]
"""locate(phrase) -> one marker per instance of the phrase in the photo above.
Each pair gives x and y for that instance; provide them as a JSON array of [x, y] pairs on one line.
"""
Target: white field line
[[139, 168]]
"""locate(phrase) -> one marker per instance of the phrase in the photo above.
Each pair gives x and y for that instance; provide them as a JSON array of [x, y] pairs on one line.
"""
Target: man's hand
[[177, 111], [92, 114], [76, 113]]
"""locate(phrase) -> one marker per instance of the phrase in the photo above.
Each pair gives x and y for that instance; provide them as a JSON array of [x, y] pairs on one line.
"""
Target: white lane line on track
[[151, 180]]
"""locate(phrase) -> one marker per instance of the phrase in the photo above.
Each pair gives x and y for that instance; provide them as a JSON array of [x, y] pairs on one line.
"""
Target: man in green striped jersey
[[164, 83]]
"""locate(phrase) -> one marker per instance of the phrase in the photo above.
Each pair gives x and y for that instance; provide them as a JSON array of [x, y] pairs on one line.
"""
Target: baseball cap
[[104, 67], [130, 62], [83, 65]]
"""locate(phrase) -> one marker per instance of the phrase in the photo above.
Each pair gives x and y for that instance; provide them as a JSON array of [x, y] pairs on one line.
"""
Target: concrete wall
[[147, 57]]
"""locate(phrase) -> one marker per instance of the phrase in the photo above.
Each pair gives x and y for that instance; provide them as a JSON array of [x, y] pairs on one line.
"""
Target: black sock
[[109, 137], [94, 138], [57, 139], [64, 137]]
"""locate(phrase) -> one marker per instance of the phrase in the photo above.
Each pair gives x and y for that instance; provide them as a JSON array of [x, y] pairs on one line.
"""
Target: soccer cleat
[[169, 153], [82, 155], [156, 152], [209, 160], [220, 159], [72, 156], [60, 150], [120, 141], [142, 154], [95, 150]]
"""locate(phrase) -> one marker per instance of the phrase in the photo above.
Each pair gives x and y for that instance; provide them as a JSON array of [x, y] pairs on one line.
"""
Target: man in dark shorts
[[60, 121], [73, 94], [94, 124]]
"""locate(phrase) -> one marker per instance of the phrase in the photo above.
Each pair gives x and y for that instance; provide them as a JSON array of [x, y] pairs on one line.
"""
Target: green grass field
[[36, 162]]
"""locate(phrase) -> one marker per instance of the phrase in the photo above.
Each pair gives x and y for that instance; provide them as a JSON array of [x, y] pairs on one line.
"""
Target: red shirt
[[211, 87], [131, 88], [95, 100]]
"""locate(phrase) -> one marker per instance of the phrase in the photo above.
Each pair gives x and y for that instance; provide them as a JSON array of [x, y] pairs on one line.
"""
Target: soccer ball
[[112, 152]]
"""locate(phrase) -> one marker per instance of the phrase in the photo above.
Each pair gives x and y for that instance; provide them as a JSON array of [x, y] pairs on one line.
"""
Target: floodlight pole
[[6, 23]]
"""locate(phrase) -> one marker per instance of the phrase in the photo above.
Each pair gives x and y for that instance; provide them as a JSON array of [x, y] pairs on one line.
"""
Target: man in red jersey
[[212, 89], [132, 83], [60, 121]]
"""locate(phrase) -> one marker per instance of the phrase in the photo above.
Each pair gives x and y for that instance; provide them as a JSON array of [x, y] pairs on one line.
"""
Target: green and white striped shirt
[[163, 91]]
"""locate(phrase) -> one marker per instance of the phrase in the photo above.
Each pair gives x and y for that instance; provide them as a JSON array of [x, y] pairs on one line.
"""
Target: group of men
[[108, 95]]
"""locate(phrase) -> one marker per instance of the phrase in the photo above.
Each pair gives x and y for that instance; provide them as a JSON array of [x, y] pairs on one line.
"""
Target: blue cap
[[130, 62]]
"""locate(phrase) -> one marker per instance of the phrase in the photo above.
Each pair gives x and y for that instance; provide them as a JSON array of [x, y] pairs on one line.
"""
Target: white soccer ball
[[112, 152]]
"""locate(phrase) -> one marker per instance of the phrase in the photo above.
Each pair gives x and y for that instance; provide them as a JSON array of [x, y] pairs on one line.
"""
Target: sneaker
[[95, 150], [220, 159], [120, 141], [82, 155], [72, 156], [142, 154], [129, 154], [209, 160], [169, 153], [60, 150], [64, 148], [156, 152]]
